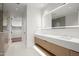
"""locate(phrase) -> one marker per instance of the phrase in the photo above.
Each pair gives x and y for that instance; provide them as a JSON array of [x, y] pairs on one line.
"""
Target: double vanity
[[60, 31], [58, 45]]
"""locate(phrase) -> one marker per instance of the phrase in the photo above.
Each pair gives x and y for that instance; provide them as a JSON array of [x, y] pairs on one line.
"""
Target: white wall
[[24, 27], [71, 19], [33, 23], [47, 21]]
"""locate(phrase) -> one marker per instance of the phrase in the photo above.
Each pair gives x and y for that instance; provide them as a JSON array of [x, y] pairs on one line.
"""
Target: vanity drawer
[[58, 50], [55, 49], [74, 53], [40, 42], [52, 48]]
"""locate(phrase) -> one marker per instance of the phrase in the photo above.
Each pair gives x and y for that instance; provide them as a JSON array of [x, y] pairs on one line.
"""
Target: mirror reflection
[[64, 15]]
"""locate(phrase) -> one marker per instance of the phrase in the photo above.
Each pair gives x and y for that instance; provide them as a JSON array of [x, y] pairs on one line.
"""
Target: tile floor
[[17, 49]]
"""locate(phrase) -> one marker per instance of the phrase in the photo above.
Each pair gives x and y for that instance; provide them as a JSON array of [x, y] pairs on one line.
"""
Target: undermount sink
[[63, 37], [66, 41], [66, 37]]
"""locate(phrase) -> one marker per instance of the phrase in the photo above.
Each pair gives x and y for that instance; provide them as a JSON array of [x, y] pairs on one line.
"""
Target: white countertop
[[64, 41]]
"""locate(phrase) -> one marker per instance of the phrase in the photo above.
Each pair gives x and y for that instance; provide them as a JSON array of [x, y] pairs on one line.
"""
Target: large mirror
[[64, 15]]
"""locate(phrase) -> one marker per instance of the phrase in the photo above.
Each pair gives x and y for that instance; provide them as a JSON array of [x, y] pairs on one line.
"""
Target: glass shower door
[[16, 30]]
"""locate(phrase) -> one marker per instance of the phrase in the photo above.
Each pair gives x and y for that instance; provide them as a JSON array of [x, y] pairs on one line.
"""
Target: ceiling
[[66, 10], [15, 9], [51, 6], [38, 5]]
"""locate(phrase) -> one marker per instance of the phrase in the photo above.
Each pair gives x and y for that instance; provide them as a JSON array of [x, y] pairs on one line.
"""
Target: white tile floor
[[17, 49]]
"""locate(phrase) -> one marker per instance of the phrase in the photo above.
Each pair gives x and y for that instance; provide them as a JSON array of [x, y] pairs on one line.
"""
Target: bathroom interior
[[49, 29]]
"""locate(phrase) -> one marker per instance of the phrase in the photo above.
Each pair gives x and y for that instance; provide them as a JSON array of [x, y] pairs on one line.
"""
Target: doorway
[[16, 29]]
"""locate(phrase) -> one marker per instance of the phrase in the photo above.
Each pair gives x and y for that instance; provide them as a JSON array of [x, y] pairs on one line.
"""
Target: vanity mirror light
[[66, 15]]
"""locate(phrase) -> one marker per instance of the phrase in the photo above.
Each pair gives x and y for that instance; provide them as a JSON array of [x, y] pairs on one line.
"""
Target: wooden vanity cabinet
[[74, 53], [55, 49]]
